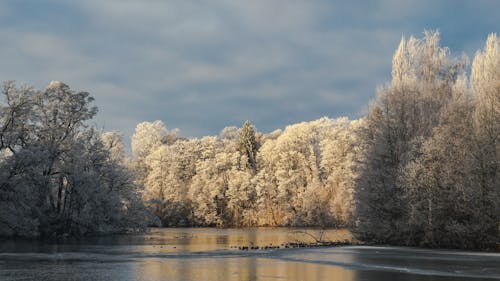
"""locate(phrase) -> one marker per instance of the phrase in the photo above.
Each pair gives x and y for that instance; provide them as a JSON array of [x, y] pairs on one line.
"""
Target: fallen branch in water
[[317, 239]]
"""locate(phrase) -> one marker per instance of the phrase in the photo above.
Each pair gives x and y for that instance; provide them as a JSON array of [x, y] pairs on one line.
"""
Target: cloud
[[203, 65]]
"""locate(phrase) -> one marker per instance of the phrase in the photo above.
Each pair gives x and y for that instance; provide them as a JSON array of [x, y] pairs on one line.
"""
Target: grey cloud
[[204, 65]]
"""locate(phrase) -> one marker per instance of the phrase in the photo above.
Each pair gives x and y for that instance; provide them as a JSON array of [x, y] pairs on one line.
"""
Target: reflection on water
[[239, 269], [209, 239], [180, 240], [212, 254]]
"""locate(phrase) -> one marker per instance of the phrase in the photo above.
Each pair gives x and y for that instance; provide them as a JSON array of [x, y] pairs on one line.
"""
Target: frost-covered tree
[[439, 183], [221, 192], [448, 206], [241, 197], [485, 85], [288, 159], [404, 115], [147, 137], [113, 141], [429, 175], [341, 151], [304, 178], [147, 142], [58, 177], [208, 191], [172, 168], [230, 133], [248, 145]]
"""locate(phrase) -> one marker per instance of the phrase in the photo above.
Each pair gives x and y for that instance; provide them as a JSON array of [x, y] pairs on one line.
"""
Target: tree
[[209, 187], [485, 85], [248, 146], [404, 115], [58, 177], [172, 168], [230, 133], [296, 183], [340, 154], [147, 137], [113, 142], [439, 182]]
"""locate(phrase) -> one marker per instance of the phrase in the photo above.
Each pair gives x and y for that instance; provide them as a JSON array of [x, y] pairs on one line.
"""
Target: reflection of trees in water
[[242, 268]]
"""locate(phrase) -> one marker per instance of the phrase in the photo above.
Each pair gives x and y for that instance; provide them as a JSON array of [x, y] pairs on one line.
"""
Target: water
[[212, 254]]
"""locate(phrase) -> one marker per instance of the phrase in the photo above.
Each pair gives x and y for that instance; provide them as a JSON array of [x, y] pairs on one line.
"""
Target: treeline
[[57, 173], [301, 176], [421, 168]]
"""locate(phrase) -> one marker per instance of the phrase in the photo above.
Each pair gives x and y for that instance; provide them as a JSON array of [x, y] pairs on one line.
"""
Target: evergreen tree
[[248, 145]]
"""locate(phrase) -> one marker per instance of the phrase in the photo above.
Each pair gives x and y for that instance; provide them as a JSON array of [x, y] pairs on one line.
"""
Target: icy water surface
[[212, 254]]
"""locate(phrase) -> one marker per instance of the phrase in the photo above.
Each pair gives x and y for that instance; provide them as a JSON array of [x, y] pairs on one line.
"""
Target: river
[[213, 254]]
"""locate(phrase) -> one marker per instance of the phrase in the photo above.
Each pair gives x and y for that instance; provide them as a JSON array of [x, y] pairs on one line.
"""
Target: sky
[[203, 65]]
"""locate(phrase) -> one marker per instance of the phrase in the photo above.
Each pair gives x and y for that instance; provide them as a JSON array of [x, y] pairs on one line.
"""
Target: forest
[[421, 168]]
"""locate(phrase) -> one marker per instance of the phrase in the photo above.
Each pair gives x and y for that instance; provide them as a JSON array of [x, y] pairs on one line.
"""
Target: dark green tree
[[247, 145]]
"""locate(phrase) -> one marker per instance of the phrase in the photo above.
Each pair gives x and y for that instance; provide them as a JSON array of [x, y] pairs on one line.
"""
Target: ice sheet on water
[[405, 260]]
